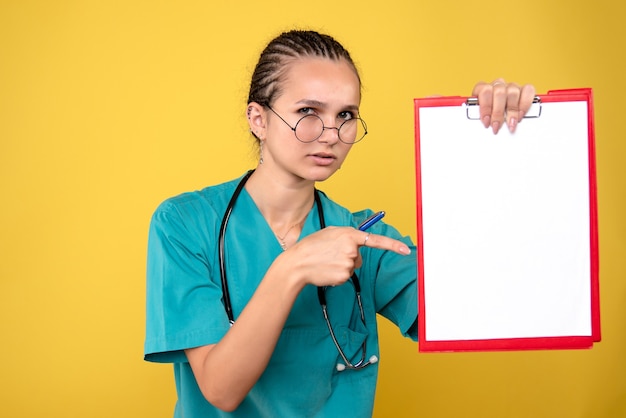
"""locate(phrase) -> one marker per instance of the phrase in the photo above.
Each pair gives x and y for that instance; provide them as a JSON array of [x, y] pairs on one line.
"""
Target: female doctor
[[262, 291]]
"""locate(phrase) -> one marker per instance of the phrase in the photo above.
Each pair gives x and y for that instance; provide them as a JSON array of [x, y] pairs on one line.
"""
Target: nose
[[331, 137]]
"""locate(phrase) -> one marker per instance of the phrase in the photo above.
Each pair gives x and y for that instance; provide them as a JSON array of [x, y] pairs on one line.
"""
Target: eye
[[346, 115], [306, 111]]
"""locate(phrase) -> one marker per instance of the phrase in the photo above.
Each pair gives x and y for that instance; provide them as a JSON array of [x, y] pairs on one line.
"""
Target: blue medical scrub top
[[185, 309]]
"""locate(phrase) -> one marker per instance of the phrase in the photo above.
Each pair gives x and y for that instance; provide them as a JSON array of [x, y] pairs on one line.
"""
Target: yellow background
[[108, 107]]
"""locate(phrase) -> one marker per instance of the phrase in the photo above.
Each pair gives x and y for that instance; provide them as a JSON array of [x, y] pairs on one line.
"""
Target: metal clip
[[472, 112]]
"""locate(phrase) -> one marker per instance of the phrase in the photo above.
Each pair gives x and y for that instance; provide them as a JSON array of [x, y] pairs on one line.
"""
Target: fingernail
[[495, 127], [487, 121], [512, 124], [405, 250]]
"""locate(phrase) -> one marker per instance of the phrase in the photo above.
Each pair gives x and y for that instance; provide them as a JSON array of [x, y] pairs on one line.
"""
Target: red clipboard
[[507, 226]]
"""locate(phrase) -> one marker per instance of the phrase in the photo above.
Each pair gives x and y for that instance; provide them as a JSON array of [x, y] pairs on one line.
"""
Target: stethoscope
[[321, 291]]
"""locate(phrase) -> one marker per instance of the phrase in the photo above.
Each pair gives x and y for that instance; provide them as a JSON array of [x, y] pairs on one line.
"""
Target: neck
[[284, 204]]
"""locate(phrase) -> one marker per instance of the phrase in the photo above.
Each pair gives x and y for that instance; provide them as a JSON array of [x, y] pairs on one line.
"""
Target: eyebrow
[[317, 103]]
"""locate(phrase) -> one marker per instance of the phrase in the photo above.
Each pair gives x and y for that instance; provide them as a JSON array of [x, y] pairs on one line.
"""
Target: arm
[[226, 371]]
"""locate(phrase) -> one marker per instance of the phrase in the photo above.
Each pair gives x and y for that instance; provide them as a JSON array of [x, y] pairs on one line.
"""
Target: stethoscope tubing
[[320, 289]]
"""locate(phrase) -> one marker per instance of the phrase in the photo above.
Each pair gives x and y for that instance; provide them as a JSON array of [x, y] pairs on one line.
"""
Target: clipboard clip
[[472, 111]]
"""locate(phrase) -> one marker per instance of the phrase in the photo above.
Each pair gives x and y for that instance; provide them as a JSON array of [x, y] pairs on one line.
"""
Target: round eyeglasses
[[310, 127]]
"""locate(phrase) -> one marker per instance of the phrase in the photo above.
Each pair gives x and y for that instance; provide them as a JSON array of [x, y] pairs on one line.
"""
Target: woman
[[285, 249]]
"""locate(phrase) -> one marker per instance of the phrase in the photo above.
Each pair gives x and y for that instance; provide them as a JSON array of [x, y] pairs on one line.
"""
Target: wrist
[[287, 274]]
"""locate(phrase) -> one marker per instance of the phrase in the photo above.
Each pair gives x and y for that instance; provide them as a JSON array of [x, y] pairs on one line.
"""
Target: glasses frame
[[324, 127]]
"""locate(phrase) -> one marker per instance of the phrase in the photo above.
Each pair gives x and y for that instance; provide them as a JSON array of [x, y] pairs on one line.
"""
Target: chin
[[319, 175]]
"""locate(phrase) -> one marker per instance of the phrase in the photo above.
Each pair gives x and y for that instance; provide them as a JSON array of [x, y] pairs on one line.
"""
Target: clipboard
[[507, 226]]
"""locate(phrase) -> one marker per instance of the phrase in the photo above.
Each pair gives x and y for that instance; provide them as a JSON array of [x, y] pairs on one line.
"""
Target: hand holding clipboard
[[500, 100]]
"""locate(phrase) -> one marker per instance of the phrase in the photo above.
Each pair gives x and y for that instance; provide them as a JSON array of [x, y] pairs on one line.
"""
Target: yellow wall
[[108, 107]]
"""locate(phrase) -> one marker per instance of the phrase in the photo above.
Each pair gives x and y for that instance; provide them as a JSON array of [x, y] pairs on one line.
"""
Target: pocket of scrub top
[[351, 343]]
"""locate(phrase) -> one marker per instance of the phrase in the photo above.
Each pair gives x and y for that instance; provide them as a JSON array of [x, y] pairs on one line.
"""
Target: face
[[319, 86]]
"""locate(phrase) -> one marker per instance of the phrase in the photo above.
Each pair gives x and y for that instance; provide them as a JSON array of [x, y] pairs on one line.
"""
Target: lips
[[323, 158]]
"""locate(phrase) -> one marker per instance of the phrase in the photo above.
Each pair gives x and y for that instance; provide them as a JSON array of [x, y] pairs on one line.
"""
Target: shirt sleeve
[[396, 290], [395, 283], [183, 302]]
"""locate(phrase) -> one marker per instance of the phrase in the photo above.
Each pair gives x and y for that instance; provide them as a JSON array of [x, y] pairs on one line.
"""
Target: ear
[[256, 120]]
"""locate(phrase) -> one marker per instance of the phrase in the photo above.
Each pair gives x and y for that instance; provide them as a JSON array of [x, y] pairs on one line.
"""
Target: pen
[[371, 220]]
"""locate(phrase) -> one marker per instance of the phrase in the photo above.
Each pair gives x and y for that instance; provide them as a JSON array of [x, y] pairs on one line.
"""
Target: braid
[[288, 46]]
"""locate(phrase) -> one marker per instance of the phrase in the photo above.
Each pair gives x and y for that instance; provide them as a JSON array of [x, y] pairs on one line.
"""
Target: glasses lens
[[309, 128], [352, 130]]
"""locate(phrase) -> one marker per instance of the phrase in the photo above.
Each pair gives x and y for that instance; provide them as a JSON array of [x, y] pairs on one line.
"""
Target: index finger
[[384, 243], [484, 91]]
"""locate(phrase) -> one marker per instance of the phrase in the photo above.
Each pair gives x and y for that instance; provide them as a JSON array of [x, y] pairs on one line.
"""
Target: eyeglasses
[[321, 294], [311, 127]]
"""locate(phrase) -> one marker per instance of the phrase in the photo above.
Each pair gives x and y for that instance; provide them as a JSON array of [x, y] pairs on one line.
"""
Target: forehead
[[321, 79]]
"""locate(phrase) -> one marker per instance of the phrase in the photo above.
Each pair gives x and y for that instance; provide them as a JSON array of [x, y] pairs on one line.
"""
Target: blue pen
[[371, 220]]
